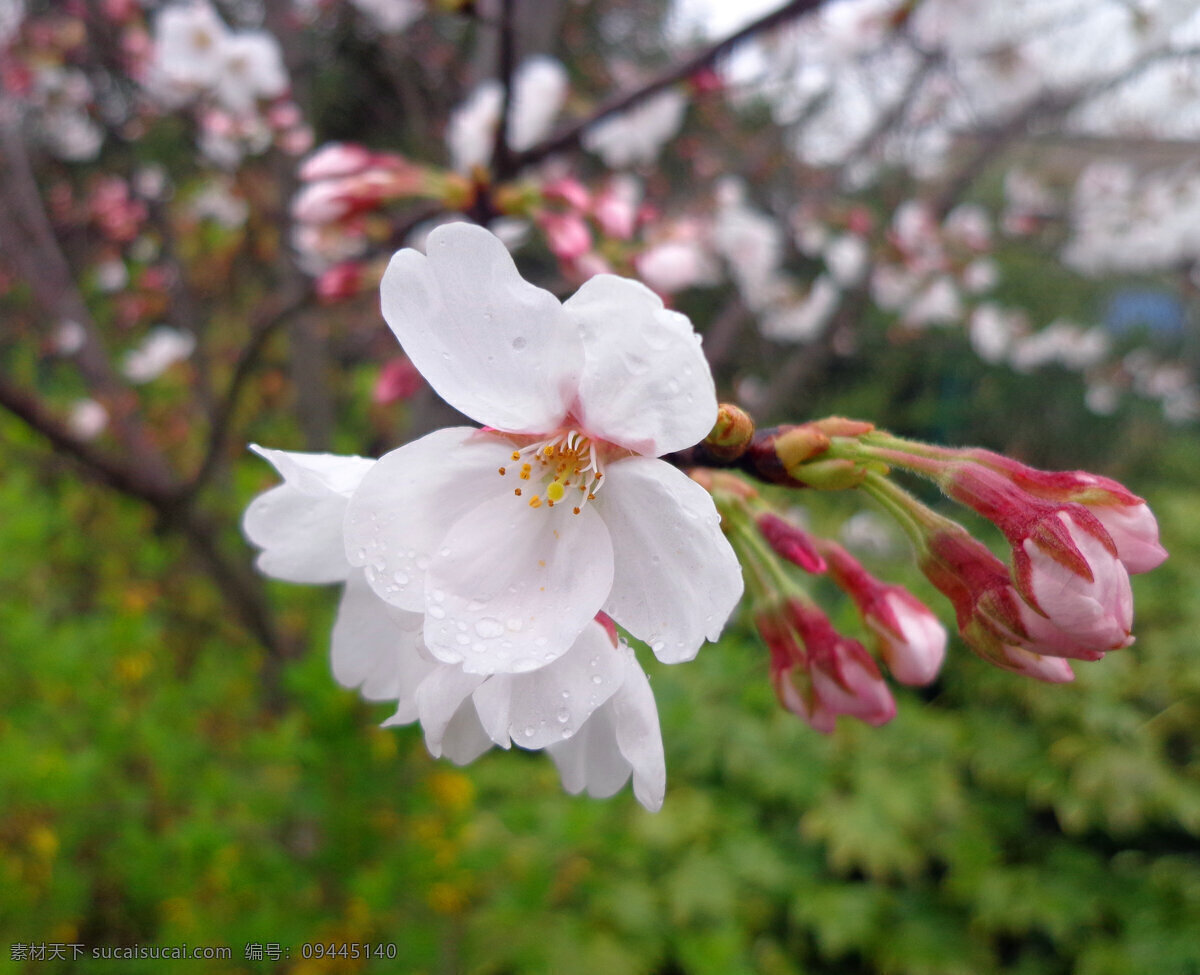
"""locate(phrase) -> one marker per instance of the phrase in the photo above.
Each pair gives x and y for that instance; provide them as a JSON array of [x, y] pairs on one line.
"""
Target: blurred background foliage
[[165, 780]]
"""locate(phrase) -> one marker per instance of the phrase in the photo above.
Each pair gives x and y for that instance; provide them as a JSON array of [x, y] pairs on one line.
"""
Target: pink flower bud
[[616, 210], [818, 673], [1134, 530], [567, 235], [339, 282], [1125, 516], [569, 191], [912, 640], [398, 380], [334, 160], [322, 202], [793, 543], [1092, 611]]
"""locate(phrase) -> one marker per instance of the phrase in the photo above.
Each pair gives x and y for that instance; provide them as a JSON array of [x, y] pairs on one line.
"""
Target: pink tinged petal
[[1134, 529], [511, 587], [646, 384], [850, 683], [492, 345], [639, 738], [552, 703], [1052, 670], [448, 717], [377, 648], [298, 524], [677, 578], [410, 499], [914, 646], [1097, 614]]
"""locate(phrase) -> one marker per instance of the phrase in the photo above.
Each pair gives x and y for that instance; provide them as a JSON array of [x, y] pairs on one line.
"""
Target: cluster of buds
[[818, 673], [1075, 538], [337, 210], [1065, 596]]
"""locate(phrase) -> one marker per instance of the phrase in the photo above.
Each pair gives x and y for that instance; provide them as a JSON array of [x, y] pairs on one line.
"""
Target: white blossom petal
[[591, 759], [639, 737], [298, 524], [677, 578], [407, 502], [448, 716], [377, 648], [512, 587], [492, 345], [622, 736], [553, 702], [646, 384]]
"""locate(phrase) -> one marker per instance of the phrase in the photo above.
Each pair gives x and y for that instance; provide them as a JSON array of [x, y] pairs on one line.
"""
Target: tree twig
[[571, 136]]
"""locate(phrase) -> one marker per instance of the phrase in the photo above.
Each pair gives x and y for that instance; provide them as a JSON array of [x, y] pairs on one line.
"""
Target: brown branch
[[106, 469], [235, 581], [571, 136], [502, 163], [271, 319]]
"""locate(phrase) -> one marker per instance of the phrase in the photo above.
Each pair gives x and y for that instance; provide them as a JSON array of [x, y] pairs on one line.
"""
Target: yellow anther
[[503, 471], [575, 510], [535, 502], [516, 455], [517, 492], [548, 450]]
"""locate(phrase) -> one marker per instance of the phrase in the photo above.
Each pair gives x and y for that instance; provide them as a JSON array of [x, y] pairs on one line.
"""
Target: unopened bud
[[800, 444], [731, 434], [793, 543]]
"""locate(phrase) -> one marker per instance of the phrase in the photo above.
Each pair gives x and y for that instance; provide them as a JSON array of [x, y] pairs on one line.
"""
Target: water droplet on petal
[[529, 732], [514, 624], [658, 646], [563, 715], [436, 612], [463, 639], [597, 679], [401, 578], [488, 627]]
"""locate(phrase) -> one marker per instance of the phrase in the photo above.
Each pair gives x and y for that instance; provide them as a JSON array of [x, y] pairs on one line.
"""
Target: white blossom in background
[[993, 331], [539, 90], [61, 98], [636, 137], [189, 39], [591, 709], [12, 13], [162, 347], [251, 69], [751, 244], [806, 319], [846, 259], [510, 539], [87, 419], [390, 16], [220, 202]]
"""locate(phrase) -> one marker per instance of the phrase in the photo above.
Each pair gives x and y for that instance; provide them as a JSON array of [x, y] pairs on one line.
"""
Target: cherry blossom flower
[[162, 348], [636, 136], [539, 90], [188, 43], [591, 708], [511, 538], [251, 68]]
